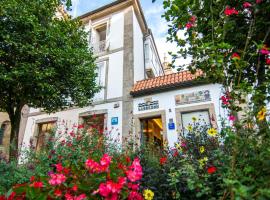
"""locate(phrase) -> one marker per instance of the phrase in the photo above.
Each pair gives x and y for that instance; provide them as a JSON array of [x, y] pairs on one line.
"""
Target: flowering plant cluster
[[82, 166]]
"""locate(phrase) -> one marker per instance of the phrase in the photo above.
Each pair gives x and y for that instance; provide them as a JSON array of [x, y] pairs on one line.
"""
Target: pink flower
[[80, 197], [93, 166], [232, 117], [235, 56], [267, 61], [265, 50], [134, 173], [110, 190], [247, 4], [57, 179], [133, 195], [189, 25], [230, 11], [105, 161]]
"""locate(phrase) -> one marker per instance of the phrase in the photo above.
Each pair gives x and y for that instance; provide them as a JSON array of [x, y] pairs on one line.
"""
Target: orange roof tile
[[164, 82]]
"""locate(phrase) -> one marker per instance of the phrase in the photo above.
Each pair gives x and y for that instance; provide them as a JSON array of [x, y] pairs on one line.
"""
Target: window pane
[[202, 116], [100, 79]]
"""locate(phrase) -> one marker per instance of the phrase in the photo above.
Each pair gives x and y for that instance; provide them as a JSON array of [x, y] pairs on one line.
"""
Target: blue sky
[[152, 12]]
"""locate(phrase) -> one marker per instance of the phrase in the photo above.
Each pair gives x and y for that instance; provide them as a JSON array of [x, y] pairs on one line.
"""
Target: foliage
[[45, 61]]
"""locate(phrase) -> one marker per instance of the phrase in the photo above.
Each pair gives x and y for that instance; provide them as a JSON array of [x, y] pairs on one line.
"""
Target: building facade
[[136, 97]]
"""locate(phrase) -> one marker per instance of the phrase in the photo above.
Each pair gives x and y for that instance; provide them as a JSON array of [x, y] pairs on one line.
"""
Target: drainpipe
[[144, 67]]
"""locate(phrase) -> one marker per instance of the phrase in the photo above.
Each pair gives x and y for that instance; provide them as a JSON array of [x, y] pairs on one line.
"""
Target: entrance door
[[152, 131]]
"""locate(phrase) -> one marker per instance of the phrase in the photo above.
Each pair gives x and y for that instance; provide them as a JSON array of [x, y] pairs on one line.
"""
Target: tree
[[228, 40], [45, 61]]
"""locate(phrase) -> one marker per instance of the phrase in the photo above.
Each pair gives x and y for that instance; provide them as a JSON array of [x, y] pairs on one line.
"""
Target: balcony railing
[[99, 47]]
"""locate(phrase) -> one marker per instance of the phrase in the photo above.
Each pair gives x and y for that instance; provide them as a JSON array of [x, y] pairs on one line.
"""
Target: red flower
[[58, 193], [163, 160], [232, 118], [32, 178], [265, 50], [128, 159], [133, 195], [133, 186], [75, 188], [59, 167], [259, 1], [267, 61], [192, 19], [189, 25], [11, 196], [247, 4], [235, 56], [105, 161], [211, 170], [111, 189], [225, 100], [37, 184], [230, 11], [81, 126]]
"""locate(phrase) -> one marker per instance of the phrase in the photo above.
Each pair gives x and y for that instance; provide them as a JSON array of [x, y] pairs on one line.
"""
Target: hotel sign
[[148, 105], [193, 97]]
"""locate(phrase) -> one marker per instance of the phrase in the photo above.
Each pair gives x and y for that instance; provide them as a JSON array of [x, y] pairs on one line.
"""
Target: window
[[101, 70], [99, 38], [202, 117], [146, 50], [44, 132], [2, 132]]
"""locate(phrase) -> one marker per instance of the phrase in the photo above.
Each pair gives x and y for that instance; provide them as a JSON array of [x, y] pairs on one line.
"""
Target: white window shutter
[[108, 34]]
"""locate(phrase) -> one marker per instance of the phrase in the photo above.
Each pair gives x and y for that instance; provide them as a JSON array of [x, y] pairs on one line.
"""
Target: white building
[[137, 97]]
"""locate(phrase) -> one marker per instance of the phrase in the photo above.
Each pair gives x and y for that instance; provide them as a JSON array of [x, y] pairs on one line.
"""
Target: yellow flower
[[202, 149], [212, 132], [148, 194], [203, 161], [194, 119], [189, 128], [177, 145], [261, 114]]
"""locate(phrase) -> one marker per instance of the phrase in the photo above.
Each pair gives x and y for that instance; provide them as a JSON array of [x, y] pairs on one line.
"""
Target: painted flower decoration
[[148, 194], [211, 169], [261, 114], [202, 149], [189, 128], [230, 11], [194, 119], [212, 132]]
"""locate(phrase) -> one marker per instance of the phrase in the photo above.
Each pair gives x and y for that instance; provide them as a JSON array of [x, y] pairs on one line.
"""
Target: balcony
[[99, 47]]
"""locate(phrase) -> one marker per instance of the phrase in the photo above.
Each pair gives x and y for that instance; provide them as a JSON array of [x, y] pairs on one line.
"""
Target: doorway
[[152, 131]]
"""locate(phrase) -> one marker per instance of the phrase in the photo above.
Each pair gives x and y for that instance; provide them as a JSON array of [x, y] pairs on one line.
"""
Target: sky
[[152, 12]]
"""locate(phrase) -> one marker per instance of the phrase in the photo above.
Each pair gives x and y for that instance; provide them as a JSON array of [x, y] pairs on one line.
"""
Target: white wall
[[115, 75], [167, 101], [116, 37], [138, 51], [71, 117]]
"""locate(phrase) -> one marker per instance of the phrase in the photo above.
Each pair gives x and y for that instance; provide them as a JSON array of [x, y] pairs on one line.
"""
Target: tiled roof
[[166, 82]]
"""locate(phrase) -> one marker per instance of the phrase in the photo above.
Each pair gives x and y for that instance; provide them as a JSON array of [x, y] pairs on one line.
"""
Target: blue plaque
[[171, 126], [114, 121]]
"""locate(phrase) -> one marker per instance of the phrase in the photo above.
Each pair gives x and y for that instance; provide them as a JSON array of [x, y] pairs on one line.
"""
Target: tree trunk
[[15, 118]]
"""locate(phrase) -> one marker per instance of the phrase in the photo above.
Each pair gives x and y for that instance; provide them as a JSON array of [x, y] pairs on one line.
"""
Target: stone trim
[[75, 107], [137, 123], [210, 107], [106, 53], [128, 73], [47, 120]]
